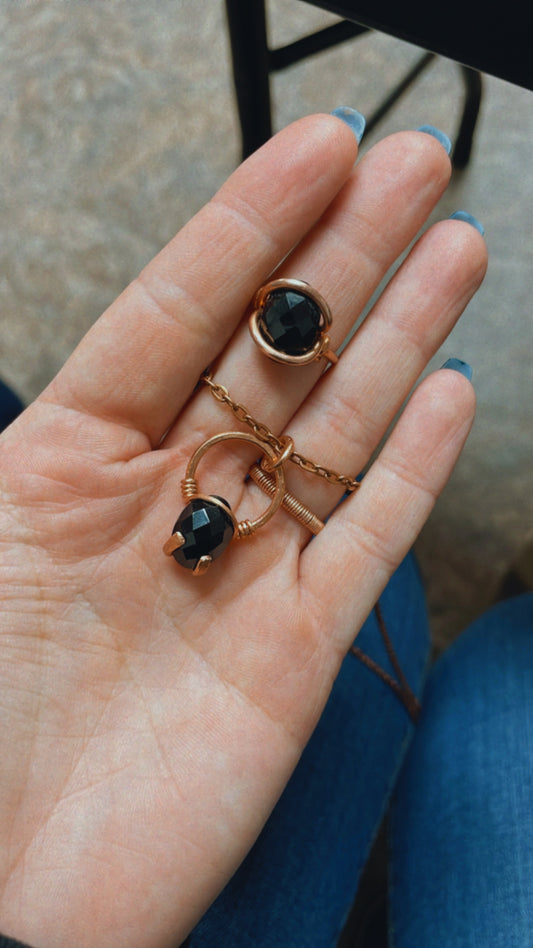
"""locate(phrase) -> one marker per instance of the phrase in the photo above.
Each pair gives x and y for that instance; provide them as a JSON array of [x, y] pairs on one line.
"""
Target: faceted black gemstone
[[291, 321], [207, 530]]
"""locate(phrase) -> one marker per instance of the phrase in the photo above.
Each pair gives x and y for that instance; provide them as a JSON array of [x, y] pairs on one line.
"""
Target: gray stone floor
[[118, 122]]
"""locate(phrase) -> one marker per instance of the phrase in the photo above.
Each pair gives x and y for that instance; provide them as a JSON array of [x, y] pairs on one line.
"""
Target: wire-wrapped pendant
[[207, 525]]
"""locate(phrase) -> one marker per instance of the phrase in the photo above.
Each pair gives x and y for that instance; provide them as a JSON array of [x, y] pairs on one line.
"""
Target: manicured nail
[[468, 219], [457, 365], [440, 136], [353, 120]]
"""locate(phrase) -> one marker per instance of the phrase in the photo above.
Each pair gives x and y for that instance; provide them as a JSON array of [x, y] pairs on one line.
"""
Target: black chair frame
[[253, 62]]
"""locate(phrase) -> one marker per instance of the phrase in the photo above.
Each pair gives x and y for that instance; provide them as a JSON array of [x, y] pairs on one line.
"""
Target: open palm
[[150, 718]]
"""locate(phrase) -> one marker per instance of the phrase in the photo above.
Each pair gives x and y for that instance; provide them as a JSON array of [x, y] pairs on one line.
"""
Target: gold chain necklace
[[264, 434]]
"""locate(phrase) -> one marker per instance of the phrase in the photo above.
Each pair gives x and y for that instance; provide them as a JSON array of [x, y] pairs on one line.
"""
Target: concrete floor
[[118, 123]]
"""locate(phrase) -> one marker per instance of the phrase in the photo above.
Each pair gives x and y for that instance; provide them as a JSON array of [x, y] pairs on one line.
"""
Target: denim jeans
[[10, 406], [460, 801], [297, 885], [462, 816]]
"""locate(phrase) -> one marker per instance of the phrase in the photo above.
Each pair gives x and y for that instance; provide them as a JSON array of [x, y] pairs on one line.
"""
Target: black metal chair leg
[[251, 66], [253, 62], [422, 63], [472, 102]]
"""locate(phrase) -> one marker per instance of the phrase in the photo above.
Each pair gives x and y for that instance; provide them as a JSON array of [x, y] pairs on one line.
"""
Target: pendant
[[207, 524]]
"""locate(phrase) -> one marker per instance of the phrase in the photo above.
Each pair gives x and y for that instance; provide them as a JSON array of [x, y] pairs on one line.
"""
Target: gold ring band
[[290, 321]]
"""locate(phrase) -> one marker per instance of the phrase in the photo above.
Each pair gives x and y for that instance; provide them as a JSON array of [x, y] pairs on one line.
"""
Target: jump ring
[[287, 444]]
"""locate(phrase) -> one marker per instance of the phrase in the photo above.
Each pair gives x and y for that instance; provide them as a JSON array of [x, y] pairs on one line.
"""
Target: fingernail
[[436, 133], [468, 219], [457, 365], [353, 120]]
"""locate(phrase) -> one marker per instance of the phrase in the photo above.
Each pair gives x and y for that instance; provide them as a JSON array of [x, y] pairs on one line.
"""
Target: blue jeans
[[10, 406], [460, 801], [462, 816], [297, 885]]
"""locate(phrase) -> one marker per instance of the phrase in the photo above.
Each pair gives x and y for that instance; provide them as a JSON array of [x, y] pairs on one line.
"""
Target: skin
[[150, 719]]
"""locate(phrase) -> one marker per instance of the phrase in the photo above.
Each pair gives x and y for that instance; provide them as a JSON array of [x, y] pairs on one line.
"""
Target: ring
[[207, 524], [289, 321]]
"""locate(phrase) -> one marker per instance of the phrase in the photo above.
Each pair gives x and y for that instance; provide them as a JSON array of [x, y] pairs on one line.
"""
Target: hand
[[149, 718]]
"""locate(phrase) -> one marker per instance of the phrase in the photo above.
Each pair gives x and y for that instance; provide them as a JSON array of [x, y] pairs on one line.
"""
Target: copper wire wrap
[[189, 488], [245, 528], [290, 503]]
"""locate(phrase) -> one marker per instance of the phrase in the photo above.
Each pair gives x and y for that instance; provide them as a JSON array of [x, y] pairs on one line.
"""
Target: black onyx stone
[[207, 530], [291, 321]]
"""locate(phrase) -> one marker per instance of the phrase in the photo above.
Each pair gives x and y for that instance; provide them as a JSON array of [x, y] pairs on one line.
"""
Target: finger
[[376, 215], [350, 562], [349, 412], [141, 360]]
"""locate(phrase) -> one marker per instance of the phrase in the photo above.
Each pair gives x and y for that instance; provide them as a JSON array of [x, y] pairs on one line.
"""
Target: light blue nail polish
[[440, 136], [457, 365], [353, 120], [468, 219]]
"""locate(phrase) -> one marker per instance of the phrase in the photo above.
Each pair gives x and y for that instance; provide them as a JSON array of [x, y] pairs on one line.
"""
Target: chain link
[[263, 433]]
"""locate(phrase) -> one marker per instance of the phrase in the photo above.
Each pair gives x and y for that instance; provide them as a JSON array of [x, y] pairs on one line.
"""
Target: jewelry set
[[290, 323]]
